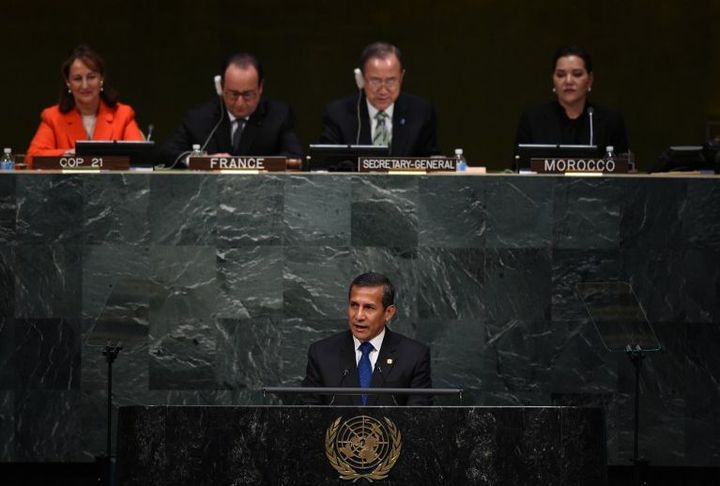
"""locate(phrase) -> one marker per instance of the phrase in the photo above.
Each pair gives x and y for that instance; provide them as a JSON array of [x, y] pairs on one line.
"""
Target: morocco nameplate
[[549, 165]]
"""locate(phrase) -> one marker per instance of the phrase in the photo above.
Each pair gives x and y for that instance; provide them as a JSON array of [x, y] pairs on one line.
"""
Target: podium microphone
[[590, 114], [342, 380]]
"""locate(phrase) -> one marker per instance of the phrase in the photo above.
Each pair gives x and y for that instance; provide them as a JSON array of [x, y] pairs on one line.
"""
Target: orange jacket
[[58, 131]]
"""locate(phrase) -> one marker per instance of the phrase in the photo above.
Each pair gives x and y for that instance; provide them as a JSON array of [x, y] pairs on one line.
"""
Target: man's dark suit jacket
[[269, 131], [414, 125], [331, 363]]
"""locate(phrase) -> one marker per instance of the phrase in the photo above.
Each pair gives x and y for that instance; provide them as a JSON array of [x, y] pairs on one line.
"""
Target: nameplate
[[400, 164], [238, 164], [550, 165], [81, 162]]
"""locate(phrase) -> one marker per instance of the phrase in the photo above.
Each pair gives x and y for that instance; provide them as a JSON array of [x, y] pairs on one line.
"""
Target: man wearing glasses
[[240, 122], [380, 114]]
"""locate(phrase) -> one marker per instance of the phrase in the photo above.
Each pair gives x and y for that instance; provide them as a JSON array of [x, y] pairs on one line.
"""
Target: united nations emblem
[[363, 447]]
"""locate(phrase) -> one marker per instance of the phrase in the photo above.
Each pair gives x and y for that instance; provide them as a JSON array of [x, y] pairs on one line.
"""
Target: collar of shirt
[[372, 111], [376, 342]]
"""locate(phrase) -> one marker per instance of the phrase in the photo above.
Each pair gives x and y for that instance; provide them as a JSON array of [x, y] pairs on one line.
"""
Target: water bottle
[[461, 164], [609, 154], [196, 152], [8, 161]]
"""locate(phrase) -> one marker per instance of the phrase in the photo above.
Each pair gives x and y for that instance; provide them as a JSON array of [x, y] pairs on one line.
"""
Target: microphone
[[212, 132], [346, 372], [590, 114], [380, 371], [360, 82], [151, 127]]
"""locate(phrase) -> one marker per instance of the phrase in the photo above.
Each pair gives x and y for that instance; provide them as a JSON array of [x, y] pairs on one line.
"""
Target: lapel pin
[[389, 361]]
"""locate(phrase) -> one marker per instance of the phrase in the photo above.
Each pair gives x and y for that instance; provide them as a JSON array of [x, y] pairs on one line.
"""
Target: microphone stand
[[639, 464], [105, 462]]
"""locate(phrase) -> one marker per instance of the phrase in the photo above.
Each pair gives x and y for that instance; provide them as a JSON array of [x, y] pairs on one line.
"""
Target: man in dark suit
[[406, 123], [239, 122], [369, 354]]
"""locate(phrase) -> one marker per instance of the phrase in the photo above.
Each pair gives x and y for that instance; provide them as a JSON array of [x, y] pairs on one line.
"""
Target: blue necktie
[[365, 368]]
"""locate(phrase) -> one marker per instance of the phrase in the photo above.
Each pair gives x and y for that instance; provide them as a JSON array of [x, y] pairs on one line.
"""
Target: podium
[[306, 445]]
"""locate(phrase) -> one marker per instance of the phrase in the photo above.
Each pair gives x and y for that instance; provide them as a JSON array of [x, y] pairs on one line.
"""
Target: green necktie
[[382, 134]]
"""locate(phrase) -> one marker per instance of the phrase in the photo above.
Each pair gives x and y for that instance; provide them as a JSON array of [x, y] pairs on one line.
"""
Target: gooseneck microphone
[[346, 372], [212, 132], [590, 114], [151, 127], [380, 371], [360, 82], [218, 91]]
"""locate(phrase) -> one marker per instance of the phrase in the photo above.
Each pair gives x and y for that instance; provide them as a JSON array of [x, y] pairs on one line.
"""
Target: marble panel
[[451, 283], [46, 354], [250, 281], [7, 426], [384, 211], [183, 209], [48, 280], [49, 209], [253, 353], [587, 213], [451, 212], [115, 208], [315, 281], [519, 212], [250, 211], [518, 283], [653, 214], [183, 283], [7, 281], [8, 210], [701, 215], [8, 373], [317, 210]]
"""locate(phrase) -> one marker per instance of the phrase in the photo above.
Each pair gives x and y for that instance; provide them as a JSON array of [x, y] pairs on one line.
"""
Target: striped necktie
[[382, 134]]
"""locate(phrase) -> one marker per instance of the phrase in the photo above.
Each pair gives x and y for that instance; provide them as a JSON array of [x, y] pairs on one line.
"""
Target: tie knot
[[366, 347], [381, 116]]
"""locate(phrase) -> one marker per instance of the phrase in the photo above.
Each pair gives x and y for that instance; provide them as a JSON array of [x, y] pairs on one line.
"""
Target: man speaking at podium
[[369, 355], [380, 114]]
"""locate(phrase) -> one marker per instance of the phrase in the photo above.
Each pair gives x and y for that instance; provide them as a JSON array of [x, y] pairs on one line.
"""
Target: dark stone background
[[216, 285]]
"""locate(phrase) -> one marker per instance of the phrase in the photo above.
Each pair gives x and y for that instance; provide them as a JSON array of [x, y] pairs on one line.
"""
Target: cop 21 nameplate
[[402, 164], [548, 165], [238, 163], [81, 162]]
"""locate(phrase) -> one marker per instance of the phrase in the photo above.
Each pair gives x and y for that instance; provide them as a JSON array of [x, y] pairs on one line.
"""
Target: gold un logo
[[363, 447]]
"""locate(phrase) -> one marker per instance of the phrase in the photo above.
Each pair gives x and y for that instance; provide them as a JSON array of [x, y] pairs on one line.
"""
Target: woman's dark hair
[[92, 60], [573, 51]]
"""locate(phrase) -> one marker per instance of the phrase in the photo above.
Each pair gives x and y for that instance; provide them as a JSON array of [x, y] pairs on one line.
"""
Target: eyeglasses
[[246, 95], [377, 83]]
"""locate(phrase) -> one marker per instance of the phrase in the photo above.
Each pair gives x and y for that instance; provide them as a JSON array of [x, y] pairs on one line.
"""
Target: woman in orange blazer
[[88, 110]]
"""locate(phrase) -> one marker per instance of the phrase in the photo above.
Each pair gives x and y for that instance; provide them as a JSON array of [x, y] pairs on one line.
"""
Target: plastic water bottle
[[461, 165], [196, 152], [609, 153], [8, 161]]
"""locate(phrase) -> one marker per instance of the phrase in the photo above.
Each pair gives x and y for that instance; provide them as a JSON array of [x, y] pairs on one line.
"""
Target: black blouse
[[548, 123]]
